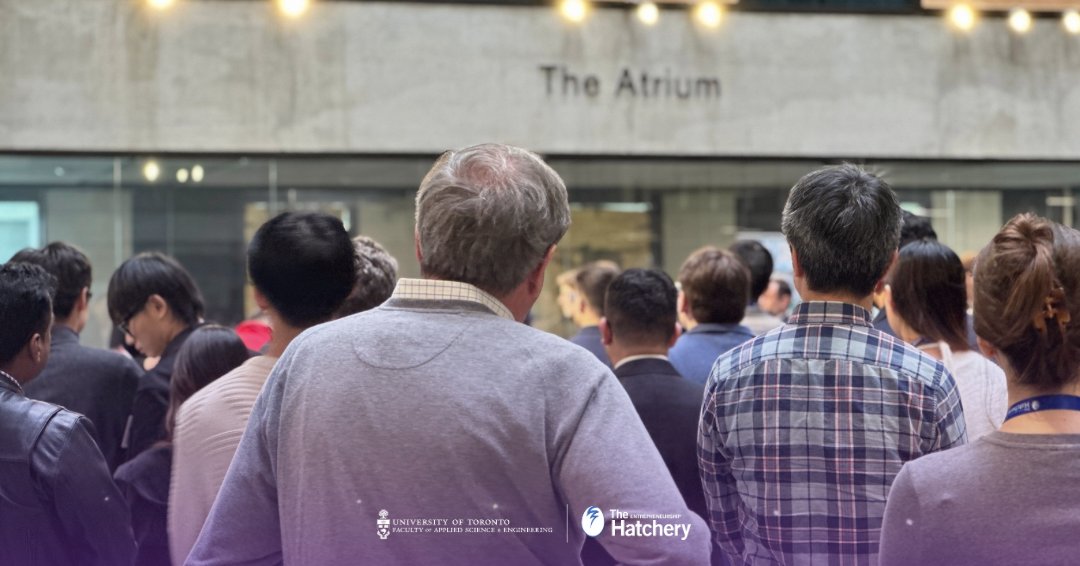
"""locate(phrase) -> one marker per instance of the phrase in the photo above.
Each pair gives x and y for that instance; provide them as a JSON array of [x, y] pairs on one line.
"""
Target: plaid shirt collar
[[831, 313], [439, 290]]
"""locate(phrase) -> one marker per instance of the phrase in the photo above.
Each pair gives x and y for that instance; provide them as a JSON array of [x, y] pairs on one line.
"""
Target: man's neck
[[618, 353], [281, 335], [864, 302], [70, 322]]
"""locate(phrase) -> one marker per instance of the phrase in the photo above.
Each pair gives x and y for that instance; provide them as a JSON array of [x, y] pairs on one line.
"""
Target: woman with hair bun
[[1010, 497], [926, 303]]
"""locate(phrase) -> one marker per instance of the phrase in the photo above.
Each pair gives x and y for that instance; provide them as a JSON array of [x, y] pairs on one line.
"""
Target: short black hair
[[376, 276], [716, 285], [69, 265], [844, 225], [154, 273], [593, 279], [26, 293], [760, 263], [915, 228], [303, 263], [641, 307]]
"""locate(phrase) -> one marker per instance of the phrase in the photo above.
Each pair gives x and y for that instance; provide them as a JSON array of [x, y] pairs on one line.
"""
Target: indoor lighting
[[160, 4], [182, 175], [962, 16], [197, 173], [574, 10], [1071, 21], [1020, 20], [151, 170], [293, 8], [648, 13], [708, 14]]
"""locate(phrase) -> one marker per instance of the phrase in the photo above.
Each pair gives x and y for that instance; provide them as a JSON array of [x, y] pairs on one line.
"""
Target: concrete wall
[[111, 75]]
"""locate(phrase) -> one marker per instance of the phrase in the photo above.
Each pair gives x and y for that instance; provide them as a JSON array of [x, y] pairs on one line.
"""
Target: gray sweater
[[437, 412], [1003, 499]]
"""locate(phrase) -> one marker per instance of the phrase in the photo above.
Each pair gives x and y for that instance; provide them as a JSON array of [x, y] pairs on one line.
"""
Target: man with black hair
[[804, 429], [638, 329], [760, 263], [97, 384], [59, 503], [303, 265], [153, 299]]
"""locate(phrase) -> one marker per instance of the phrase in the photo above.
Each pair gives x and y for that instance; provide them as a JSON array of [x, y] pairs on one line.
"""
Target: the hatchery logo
[[383, 524], [592, 521]]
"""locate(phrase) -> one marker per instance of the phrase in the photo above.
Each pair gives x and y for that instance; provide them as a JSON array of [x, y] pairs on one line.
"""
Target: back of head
[[209, 353], [758, 260], [68, 265], [25, 306], [716, 284], [376, 275], [928, 291], [640, 308], [304, 264], [844, 225], [915, 228], [154, 273], [1027, 300], [487, 214], [592, 281]]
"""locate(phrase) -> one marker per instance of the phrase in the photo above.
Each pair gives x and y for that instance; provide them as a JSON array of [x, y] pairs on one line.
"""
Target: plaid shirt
[[803, 430]]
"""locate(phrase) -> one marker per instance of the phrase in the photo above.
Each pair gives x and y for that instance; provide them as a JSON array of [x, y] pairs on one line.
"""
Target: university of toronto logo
[[383, 524], [592, 521]]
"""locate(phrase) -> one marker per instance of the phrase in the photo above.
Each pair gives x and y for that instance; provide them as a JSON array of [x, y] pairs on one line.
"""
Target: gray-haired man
[[437, 428]]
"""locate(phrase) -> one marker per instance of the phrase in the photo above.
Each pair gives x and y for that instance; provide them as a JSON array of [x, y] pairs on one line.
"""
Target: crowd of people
[[913, 408]]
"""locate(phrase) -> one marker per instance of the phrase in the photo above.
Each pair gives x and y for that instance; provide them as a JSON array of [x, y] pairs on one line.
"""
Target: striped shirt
[[803, 430]]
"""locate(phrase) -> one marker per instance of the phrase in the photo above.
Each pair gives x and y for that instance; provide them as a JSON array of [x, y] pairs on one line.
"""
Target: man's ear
[[606, 336], [156, 307], [416, 243], [35, 349], [796, 267], [674, 336], [881, 282], [536, 278], [83, 301], [260, 299], [682, 305]]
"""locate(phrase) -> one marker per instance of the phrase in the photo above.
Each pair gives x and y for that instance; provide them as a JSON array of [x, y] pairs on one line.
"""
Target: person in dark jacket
[[153, 299], [638, 329], [98, 384], [209, 353], [58, 503]]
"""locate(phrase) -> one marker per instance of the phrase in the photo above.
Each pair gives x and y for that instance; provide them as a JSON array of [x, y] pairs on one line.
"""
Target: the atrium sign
[[629, 83]]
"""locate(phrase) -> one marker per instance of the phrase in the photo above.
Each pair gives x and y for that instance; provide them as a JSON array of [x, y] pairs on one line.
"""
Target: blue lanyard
[[1044, 403]]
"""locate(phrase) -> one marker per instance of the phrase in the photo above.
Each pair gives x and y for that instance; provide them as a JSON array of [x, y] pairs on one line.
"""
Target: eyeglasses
[[123, 326]]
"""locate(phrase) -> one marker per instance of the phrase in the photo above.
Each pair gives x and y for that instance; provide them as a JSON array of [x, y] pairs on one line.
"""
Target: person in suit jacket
[[638, 328], [97, 384]]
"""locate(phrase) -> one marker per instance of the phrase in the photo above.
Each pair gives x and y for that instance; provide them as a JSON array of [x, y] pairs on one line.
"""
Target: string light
[[1071, 21], [574, 11], [160, 4], [648, 13], [151, 170], [708, 14], [962, 17], [293, 8], [197, 173], [182, 175], [1020, 20]]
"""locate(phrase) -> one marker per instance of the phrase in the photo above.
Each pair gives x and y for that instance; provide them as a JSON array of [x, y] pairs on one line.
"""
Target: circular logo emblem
[[592, 521], [1034, 405]]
